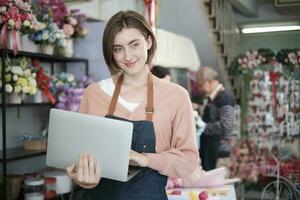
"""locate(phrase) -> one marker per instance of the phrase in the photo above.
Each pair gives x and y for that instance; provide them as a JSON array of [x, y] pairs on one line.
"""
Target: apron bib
[[148, 184]]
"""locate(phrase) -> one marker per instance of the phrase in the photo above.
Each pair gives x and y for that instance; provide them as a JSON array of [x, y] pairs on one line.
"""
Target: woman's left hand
[[138, 159]]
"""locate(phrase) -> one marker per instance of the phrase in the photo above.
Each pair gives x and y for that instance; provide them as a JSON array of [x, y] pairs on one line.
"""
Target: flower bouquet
[[51, 35], [72, 25], [48, 12], [43, 81], [15, 17], [68, 91], [19, 77]]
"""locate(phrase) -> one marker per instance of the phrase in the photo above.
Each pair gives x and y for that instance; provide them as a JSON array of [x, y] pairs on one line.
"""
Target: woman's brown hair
[[119, 21]]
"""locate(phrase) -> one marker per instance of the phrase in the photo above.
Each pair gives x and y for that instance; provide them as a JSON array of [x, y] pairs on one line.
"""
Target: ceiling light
[[274, 28]]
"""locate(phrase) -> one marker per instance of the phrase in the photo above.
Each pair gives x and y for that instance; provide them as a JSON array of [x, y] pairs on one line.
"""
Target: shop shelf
[[19, 153]]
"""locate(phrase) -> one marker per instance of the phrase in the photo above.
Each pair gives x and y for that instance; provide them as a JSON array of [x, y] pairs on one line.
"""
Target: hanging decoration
[[270, 93]]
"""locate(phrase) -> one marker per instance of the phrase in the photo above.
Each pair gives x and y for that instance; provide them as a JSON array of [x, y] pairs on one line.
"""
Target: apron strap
[[149, 108], [113, 102]]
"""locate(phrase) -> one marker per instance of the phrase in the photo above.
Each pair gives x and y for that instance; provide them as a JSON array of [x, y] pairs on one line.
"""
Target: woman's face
[[130, 50]]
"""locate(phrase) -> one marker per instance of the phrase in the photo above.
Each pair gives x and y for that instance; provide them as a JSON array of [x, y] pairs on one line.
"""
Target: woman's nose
[[127, 55]]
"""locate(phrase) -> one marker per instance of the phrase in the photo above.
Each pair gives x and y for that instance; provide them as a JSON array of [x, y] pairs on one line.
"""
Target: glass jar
[[34, 189], [50, 187]]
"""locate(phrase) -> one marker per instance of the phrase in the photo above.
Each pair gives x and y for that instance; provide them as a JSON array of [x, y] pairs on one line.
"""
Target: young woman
[[164, 131]]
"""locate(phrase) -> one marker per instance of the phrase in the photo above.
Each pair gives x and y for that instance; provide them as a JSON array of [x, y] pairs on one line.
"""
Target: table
[[226, 192]]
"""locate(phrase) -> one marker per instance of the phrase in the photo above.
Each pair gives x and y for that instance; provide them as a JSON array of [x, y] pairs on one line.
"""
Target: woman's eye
[[117, 50], [135, 45]]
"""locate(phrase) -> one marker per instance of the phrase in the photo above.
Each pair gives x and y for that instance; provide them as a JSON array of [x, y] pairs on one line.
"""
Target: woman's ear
[[149, 42]]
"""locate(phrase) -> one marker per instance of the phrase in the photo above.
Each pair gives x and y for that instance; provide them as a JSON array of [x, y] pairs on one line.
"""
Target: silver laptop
[[108, 140]]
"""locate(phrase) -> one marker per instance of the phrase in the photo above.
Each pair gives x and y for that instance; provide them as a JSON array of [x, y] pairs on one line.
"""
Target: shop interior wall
[[186, 18]]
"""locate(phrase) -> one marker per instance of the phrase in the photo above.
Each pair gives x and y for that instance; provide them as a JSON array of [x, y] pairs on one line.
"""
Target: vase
[[29, 45], [47, 49], [68, 50], [14, 98], [37, 98]]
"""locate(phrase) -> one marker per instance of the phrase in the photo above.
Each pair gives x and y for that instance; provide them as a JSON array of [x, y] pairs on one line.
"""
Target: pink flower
[[13, 10], [68, 29], [18, 25], [72, 21]]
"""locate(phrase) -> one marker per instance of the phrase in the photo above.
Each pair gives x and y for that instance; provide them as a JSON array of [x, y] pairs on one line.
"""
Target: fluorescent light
[[270, 29]]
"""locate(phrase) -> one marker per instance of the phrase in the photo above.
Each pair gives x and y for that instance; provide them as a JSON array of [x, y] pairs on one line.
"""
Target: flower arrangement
[[15, 15], [73, 24], [69, 91], [250, 60], [51, 34], [245, 161], [49, 10], [48, 13], [19, 76], [43, 81], [290, 59]]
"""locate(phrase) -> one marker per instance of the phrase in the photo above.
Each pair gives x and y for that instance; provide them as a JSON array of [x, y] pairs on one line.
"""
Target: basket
[[14, 184], [35, 145]]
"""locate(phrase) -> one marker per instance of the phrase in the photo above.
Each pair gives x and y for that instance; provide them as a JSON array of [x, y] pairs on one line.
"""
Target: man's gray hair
[[207, 73]]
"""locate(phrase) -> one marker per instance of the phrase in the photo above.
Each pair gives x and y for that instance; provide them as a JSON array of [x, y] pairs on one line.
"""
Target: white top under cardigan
[[108, 86]]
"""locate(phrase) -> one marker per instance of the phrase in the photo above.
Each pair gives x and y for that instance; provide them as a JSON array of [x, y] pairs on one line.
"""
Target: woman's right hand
[[87, 173]]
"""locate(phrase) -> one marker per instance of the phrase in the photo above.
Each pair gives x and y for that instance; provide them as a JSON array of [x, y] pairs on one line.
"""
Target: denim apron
[[148, 184]]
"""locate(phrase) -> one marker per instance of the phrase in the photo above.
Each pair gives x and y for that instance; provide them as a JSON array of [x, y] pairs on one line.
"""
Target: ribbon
[[274, 77], [14, 42], [3, 39], [3, 36]]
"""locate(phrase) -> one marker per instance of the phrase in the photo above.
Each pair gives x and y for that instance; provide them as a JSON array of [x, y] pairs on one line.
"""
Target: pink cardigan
[[177, 153]]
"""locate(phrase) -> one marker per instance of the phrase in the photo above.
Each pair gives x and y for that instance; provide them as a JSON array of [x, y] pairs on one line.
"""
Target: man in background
[[216, 140]]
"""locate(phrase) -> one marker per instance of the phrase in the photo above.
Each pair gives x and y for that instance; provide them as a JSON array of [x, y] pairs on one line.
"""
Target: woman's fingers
[[86, 173], [71, 170], [80, 177], [97, 176], [91, 169]]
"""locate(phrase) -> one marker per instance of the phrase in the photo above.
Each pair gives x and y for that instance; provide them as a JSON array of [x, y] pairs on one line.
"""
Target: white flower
[[27, 72], [71, 78], [45, 36], [32, 81], [15, 77], [240, 61], [26, 23], [25, 90], [2, 9], [33, 75], [17, 89], [8, 88], [16, 70], [11, 22], [58, 35]]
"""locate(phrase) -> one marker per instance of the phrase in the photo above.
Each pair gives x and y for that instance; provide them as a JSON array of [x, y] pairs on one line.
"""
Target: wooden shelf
[[19, 153], [26, 105], [43, 57]]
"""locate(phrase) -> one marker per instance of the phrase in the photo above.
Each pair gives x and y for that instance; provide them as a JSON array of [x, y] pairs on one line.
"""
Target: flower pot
[[68, 50], [14, 98], [47, 49], [29, 45]]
